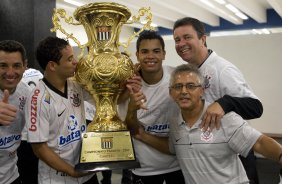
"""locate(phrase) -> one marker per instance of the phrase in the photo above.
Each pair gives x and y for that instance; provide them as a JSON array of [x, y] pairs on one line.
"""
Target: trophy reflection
[[103, 72]]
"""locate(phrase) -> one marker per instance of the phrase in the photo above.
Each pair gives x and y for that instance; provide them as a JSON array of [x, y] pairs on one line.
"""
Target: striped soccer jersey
[[58, 119], [10, 136]]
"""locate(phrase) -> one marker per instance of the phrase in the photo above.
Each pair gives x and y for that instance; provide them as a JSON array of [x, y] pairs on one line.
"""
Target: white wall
[[259, 57]]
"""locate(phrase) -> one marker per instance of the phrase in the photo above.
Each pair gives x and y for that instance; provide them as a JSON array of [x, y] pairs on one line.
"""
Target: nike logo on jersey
[[177, 139], [61, 113]]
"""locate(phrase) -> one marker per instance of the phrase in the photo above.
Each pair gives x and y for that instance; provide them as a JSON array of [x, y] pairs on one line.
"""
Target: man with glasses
[[205, 156]]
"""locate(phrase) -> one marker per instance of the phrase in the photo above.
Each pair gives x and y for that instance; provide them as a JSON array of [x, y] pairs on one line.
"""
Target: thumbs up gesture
[[7, 111]]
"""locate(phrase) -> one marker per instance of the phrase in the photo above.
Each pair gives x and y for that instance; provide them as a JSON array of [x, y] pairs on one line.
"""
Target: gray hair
[[186, 68]]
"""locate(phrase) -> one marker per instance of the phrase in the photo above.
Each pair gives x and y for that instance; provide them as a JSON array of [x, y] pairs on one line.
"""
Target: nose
[[150, 55], [181, 43], [10, 71], [74, 61], [184, 90]]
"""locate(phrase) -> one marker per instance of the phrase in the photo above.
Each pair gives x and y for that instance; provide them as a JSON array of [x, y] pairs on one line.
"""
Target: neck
[[204, 54], [55, 81], [152, 78]]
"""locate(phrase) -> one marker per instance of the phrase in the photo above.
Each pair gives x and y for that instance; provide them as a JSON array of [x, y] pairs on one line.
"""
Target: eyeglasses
[[188, 86]]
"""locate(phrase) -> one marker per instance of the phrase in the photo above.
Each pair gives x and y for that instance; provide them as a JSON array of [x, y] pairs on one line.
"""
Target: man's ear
[[136, 54], [25, 64], [204, 39], [51, 65]]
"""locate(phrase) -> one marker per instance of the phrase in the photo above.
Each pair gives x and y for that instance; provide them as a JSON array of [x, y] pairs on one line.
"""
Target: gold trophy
[[103, 72]]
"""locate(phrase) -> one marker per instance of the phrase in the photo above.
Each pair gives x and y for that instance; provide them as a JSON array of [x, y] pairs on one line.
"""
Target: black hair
[[149, 35], [195, 23], [13, 46], [50, 49]]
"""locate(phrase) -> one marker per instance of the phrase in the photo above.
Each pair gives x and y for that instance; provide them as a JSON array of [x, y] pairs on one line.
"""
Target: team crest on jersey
[[106, 142], [47, 98], [207, 135], [8, 141], [22, 102], [74, 132], [76, 100], [207, 79]]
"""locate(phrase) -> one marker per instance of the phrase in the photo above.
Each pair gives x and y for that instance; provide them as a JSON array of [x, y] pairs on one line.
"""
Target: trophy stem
[[106, 109]]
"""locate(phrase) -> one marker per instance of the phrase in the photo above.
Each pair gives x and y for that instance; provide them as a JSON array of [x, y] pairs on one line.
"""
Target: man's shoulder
[[73, 82], [232, 121], [23, 88], [32, 73], [218, 61], [168, 69]]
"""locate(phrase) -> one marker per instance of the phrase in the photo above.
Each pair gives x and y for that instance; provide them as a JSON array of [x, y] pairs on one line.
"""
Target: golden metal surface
[[106, 146], [103, 72]]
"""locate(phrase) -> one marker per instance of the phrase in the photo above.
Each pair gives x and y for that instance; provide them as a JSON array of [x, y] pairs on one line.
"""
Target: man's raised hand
[[7, 111]]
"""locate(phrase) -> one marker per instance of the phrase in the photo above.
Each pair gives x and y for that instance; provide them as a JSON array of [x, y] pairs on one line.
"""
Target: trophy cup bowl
[[103, 73]]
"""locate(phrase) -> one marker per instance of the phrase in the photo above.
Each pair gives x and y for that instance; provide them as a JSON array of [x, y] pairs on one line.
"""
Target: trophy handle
[[61, 13], [142, 12]]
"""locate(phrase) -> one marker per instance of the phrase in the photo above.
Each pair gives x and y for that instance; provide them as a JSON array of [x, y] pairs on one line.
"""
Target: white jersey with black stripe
[[57, 119], [10, 136]]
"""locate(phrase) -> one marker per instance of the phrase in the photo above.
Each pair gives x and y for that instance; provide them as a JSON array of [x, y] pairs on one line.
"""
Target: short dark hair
[[149, 35], [195, 23], [49, 49], [13, 46]]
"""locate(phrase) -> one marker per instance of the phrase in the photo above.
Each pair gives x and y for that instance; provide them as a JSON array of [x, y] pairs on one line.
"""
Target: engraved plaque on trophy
[[107, 144]]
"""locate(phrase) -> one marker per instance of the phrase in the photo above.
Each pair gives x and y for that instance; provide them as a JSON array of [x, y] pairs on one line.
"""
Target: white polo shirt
[[212, 157]]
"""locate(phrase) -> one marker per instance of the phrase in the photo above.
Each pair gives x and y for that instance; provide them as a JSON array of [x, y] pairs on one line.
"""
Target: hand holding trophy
[[103, 71]]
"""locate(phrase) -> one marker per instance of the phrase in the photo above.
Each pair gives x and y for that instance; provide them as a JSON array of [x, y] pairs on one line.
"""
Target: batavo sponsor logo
[[71, 137], [158, 128], [74, 132], [33, 111], [9, 141]]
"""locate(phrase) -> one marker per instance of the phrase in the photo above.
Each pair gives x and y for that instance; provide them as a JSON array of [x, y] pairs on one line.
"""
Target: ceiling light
[[241, 15], [255, 31], [208, 3], [236, 11], [154, 25], [265, 31], [245, 32], [232, 8], [220, 2], [75, 3]]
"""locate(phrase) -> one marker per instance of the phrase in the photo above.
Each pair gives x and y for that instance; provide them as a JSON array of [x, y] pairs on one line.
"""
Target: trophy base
[[95, 167], [107, 150]]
